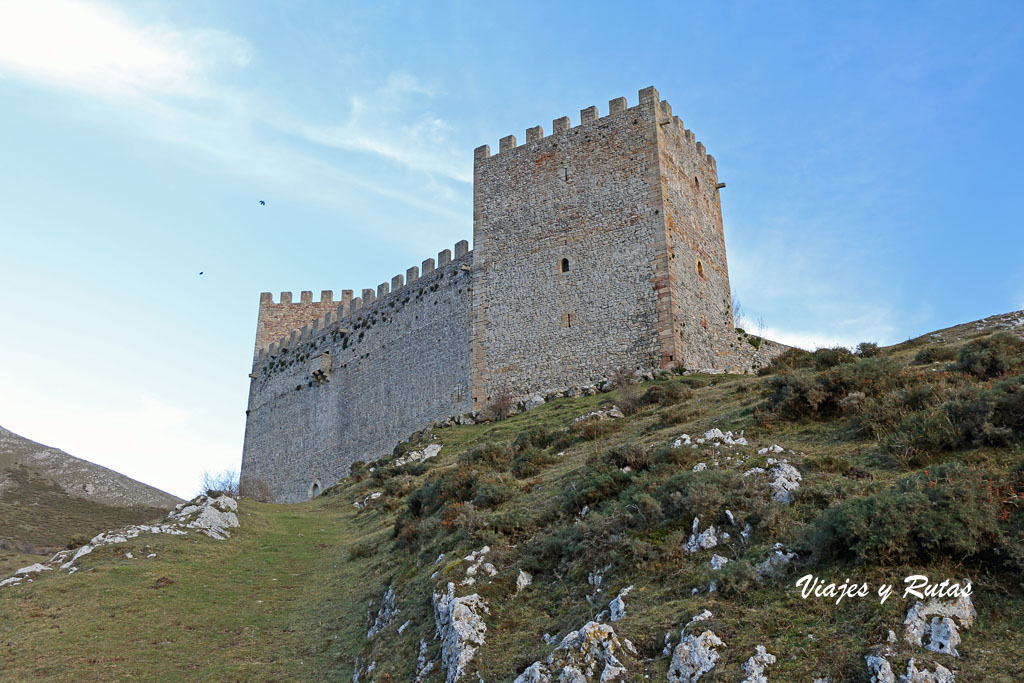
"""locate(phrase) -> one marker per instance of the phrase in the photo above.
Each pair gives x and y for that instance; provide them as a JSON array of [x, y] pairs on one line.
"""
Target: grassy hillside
[[911, 461]]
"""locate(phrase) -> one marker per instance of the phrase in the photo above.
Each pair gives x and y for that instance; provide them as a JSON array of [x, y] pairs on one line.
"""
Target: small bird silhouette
[[262, 203], [200, 272]]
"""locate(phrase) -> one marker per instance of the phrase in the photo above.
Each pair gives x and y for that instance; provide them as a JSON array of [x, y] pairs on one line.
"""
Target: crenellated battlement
[[329, 311], [589, 116]]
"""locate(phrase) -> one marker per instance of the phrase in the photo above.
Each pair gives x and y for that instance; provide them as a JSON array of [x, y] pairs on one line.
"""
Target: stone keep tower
[[597, 247]]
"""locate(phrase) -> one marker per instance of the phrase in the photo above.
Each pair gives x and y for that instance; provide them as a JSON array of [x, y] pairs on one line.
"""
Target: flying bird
[[262, 203], [200, 272]]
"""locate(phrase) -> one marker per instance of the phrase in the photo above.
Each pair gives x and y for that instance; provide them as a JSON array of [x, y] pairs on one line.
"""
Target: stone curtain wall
[[394, 365], [587, 194]]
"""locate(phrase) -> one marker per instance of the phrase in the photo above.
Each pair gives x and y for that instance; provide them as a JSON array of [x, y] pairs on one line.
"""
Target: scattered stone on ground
[[418, 456], [476, 560], [778, 558], [365, 500], [211, 514], [523, 580], [612, 413], [718, 561]]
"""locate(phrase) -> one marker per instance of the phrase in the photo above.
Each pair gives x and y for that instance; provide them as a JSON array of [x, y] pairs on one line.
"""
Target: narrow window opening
[[696, 182], [568, 319], [700, 270], [565, 265]]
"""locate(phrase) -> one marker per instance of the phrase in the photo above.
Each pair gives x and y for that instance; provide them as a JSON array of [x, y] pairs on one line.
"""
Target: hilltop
[[509, 537], [48, 498]]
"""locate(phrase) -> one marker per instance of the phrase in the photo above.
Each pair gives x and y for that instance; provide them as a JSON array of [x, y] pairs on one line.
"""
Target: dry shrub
[[629, 393], [501, 405], [256, 489]]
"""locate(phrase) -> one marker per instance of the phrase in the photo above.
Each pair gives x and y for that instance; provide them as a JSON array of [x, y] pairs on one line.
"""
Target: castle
[[596, 247]]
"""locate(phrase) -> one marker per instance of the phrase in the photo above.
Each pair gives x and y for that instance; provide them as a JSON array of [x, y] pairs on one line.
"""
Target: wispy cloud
[[96, 49], [386, 122], [168, 83]]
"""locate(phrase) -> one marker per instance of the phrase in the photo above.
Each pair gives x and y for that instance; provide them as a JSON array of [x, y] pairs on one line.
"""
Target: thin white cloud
[[96, 49], [386, 123], [165, 81]]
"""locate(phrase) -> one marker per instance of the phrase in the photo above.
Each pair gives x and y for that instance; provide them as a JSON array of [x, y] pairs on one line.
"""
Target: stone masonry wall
[[353, 384], [587, 195], [698, 269], [278, 320]]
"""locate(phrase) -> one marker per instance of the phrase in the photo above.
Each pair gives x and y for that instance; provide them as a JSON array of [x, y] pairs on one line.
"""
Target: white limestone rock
[[718, 561], [423, 665], [33, 569], [694, 656], [427, 453], [754, 667], [211, 515], [943, 628], [589, 655], [385, 615], [914, 675], [460, 627], [704, 540], [523, 580], [617, 606], [880, 669], [535, 401], [785, 480], [778, 558]]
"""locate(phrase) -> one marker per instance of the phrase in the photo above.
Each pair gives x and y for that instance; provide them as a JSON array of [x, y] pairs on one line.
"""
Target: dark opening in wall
[[696, 182], [565, 265], [700, 270]]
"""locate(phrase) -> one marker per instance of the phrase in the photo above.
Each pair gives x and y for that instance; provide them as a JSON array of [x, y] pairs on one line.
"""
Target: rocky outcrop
[[755, 666], [427, 453], [695, 655], [618, 606], [704, 540], [460, 627], [593, 653], [387, 613], [946, 618], [211, 514]]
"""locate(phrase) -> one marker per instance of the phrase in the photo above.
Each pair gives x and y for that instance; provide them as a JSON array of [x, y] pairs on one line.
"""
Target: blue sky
[[872, 153]]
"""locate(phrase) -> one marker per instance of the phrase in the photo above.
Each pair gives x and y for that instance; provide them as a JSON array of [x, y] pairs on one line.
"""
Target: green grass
[[287, 597]]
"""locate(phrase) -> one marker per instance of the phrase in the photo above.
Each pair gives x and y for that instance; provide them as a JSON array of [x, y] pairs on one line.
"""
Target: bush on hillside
[[947, 511], [992, 356], [803, 393], [968, 416], [630, 454], [530, 463], [493, 455], [934, 354]]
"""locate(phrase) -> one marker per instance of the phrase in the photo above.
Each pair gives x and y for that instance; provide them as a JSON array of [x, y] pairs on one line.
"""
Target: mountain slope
[[48, 497], [908, 461]]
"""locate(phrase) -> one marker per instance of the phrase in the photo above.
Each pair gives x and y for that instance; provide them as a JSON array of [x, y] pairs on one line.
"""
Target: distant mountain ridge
[[75, 476]]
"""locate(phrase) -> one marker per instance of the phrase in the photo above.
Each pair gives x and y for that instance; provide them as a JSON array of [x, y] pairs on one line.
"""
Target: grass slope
[[290, 595]]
